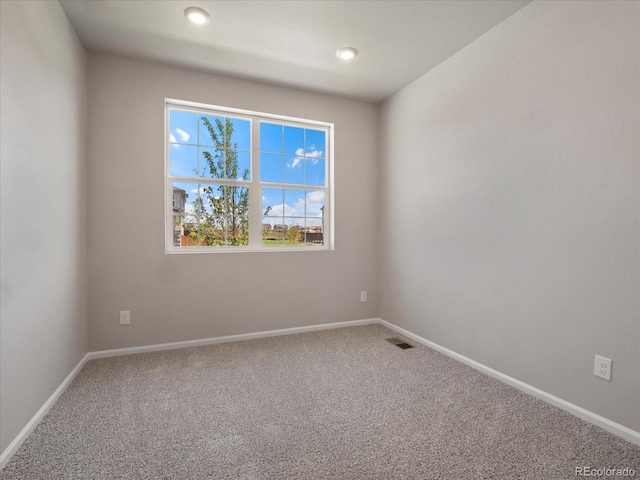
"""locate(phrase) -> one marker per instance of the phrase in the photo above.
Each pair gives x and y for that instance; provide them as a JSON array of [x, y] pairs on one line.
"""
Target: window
[[246, 181]]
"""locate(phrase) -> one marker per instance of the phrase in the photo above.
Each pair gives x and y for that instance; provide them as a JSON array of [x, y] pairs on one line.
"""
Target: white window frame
[[254, 184]]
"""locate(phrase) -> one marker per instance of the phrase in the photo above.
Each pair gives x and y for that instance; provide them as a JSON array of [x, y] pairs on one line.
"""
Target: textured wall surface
[[509, 200], [184, 297], [43, 333]]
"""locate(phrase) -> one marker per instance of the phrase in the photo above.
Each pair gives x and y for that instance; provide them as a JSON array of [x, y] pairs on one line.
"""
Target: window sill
[[217, 250]]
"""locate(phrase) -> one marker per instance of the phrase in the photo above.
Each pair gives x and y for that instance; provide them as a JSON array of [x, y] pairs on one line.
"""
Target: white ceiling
[[293, 43]]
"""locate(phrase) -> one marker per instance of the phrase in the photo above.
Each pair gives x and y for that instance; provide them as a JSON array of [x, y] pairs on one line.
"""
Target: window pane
[[294, 203], [315, 203], [211, 129], [270, 167], [293, 140], [184, 160], [212, 162], [293, 170], [223, 214], [314, 172], [272, 231], [270, 138], [294, 233], [225, 163], [272, 205], [315, 142], [183, 127], [184, 218], [240, 135], [243, 172], [314, 231]]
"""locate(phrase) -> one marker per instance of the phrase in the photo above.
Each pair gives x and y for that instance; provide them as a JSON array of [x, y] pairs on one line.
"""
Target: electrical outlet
[[363, 296], [602, 367], [125, 317]]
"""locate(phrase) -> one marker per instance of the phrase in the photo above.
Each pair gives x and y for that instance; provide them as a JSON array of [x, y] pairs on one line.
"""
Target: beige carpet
[[333, 404]]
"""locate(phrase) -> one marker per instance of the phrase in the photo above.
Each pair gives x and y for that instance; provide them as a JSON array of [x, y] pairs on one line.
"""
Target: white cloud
[[172, 137], [297, 162], [184, 136], [314, 202], [284, 209], [311, 154], [316, 196]]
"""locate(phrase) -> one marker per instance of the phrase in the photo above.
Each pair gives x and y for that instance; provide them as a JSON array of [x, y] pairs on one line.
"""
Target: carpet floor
[[331, 404]]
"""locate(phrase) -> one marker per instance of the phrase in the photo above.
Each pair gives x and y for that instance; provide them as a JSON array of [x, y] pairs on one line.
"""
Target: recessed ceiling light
[[346, 53], [197, 15]]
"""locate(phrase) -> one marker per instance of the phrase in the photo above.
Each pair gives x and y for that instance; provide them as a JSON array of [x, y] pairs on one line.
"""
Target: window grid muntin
[[199, 145], [282, 218], [305, 157]]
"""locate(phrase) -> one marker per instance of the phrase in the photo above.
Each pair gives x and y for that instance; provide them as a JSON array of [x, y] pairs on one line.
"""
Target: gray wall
[[510, 214], [43, 332], [184, 297]]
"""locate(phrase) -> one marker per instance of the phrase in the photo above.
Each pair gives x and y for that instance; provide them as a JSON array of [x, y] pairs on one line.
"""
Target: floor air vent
[[399, 343]]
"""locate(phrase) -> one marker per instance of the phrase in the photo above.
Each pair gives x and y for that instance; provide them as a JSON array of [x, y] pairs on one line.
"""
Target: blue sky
[[288, 155]]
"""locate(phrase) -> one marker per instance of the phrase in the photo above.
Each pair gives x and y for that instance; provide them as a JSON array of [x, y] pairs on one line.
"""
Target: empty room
[[320, 239]]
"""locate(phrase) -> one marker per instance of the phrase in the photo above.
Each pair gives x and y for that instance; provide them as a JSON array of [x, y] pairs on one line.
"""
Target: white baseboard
[[33, 423], [602, 422], [229, 338]]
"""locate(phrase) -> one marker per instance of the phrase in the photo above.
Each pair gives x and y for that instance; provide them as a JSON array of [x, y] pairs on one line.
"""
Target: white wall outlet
[[602, 368], [363, 296], [125, 317]]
